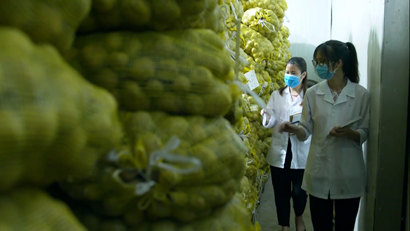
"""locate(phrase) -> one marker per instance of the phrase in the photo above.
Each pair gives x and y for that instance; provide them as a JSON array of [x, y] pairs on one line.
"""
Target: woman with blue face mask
[[335, 169], [287, 155]]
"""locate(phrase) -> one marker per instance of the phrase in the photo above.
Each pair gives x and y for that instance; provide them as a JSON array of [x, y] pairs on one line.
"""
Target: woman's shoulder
[[279, 92], [360, 90], [313, 89]]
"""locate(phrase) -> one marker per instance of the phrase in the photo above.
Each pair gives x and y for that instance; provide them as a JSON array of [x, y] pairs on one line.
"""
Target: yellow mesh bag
[[232, 216], [45, 21], [232, 10], [161, 177], [153, 14], [285, 32], [243, 127], [263, 21], [277, 6], [55, 125], [29, 209], [256, 45], [183, 72]]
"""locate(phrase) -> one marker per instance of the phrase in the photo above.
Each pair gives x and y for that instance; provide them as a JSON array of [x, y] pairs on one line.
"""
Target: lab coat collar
[[348, 90], [287, 91]]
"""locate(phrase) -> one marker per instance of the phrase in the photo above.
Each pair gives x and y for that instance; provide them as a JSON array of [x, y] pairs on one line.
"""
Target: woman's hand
[[294, 129], [338, 132], [287, 127], [267, 116], [349, 133]]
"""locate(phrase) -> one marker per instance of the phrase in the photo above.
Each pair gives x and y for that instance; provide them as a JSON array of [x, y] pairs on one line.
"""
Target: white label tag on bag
[[252, 80], [254, 107]]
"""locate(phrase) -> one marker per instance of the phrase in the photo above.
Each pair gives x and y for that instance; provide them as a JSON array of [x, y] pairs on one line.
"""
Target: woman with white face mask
[[335, 169], [287, 155]]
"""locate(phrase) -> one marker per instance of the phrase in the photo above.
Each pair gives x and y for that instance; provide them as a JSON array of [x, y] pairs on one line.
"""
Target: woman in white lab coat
[[335, 169], [287, 155]]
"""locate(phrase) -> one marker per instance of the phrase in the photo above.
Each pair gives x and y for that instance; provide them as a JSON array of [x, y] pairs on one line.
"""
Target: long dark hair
[[301, 64], [333, 50]]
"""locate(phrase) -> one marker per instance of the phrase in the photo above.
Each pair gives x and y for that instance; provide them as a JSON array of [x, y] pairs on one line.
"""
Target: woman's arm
[[361, 134], [305, 127], [291, 128], [269, 120], [349, 133]]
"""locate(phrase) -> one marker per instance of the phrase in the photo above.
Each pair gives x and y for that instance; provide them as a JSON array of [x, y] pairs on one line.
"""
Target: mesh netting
[[263, 21], [232, 10], [153, 14], [157, 175], [277, 6], [29, 209], [256, 45], [182, 72], [55, 125], [231, 216], [45, 21]]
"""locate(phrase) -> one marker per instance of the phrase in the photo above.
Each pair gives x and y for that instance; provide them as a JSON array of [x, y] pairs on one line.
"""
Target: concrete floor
[[266, 214]]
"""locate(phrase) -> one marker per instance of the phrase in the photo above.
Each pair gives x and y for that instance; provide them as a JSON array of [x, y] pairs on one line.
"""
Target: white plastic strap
[[264, 86], [112, 156], [233, 54], [234, 11], [164, 153], [258, 99], [242, 136], [266, 24]]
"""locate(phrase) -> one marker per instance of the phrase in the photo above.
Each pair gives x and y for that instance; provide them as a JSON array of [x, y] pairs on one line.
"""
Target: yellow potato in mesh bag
[[231, 10], [285, 31], [231, 216], [263, 21], [216, 141], [277, 6], [210, 177], [32, 209], [53, 22], [55, 124], [184, 72], [256, 45], [152, 14], [186, 204]]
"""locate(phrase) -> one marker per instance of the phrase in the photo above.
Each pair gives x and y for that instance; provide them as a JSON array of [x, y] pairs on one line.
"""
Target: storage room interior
[[145, 115]]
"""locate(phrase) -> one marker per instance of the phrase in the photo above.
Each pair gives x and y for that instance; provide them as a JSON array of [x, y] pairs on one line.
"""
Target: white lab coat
[[283, 107], [335, 165]]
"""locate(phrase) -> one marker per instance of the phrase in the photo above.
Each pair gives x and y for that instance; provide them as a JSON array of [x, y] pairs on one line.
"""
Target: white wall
[[360, 22], [309, 26]]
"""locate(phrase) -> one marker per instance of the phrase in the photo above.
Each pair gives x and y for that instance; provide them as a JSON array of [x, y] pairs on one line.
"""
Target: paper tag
[[252, 80], [295, 110], [295, 118], [254, 107]]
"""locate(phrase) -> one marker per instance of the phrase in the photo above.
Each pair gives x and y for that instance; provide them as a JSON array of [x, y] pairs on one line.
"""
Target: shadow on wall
[[305, 51], [374, 83]]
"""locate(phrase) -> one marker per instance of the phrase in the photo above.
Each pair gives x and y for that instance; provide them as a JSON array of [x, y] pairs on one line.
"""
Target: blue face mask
[[323, 72], [292, 80]]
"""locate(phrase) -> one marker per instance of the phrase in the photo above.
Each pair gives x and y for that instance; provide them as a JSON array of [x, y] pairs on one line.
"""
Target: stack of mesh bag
[[179, 162], [119, 105], [56, 126], [264, 51]]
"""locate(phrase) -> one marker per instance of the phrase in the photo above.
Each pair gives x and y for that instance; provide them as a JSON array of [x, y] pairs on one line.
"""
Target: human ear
[[302, 76]]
